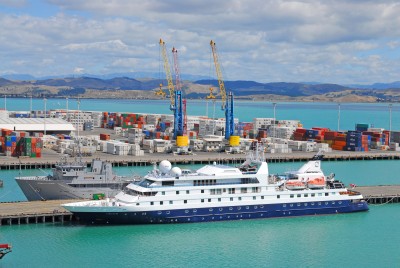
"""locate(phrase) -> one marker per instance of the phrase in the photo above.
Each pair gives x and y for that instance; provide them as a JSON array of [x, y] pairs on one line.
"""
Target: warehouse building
[[45, 125]]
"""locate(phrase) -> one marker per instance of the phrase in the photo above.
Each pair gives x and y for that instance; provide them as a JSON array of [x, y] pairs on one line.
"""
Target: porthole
[[210, 209], [186, 211]]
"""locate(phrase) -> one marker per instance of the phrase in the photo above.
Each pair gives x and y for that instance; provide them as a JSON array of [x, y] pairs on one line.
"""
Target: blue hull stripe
[[221, 213]]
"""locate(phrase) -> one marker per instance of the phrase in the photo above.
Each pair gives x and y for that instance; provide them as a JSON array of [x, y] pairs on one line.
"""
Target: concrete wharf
[[51, 211], [49, 160], [380, 194], [34, 212]]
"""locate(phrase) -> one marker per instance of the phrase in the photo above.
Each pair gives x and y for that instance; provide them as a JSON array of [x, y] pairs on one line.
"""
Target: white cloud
[[328, 41], [79, 70]]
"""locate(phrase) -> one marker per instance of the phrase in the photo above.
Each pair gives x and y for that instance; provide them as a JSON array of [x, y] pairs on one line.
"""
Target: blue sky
[[344, 42]]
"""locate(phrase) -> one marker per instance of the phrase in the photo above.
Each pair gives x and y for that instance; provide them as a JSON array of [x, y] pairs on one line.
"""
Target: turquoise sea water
[[367, 239], [310, 114]]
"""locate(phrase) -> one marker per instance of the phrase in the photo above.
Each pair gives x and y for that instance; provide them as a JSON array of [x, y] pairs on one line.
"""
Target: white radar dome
[[165, 166], [176, 172]]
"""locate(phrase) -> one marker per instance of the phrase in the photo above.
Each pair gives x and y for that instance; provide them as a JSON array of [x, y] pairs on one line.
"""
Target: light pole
[[31, 105], [390, 120], [338, 118], [79, 103], [67, 108], [45, 114], [274, 104]]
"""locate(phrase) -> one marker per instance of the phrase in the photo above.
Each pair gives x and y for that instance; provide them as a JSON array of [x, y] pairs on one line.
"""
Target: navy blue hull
[[222, 213]]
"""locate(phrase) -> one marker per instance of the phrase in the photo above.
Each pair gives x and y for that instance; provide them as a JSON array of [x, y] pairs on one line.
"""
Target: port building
[[48, 125]]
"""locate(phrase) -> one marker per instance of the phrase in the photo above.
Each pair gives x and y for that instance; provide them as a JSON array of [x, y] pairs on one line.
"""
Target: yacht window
[[145, 183], [262, 197], [163, 193], [202, 200], [177, 192], [312, 195], [243, 190], [305, 195], [326, 194], [219, 199], [187, 191], [171, 202], [202, 191], [254, 198], [168, 183], [152, 203], [185, 201], [209, 199], [161, 202], [298, 195], [292, 195], [231, 198], [240, 198], [278, 196]]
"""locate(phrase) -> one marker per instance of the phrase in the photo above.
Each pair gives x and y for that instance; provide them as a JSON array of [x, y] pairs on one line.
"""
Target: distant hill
[[5, 82], [377, 85], [128, 87], [19, 77], [243, 88]]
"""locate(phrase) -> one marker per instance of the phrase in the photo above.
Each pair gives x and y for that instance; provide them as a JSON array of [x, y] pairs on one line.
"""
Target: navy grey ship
[[73, 180]]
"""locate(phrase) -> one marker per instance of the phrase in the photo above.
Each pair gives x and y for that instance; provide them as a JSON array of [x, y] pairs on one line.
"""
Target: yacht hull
[[190, 215]]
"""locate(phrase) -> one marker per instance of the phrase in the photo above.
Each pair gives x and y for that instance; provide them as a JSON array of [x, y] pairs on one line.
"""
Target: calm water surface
[[368, 239]]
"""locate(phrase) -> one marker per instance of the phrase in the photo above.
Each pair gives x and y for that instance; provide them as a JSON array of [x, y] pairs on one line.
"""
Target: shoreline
[[49, 160]]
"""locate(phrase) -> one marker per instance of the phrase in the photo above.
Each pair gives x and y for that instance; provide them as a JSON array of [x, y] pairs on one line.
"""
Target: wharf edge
[[200, 158], [51, 211]]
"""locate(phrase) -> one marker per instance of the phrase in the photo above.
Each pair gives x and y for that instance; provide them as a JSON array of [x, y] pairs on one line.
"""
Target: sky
[[343, 42]]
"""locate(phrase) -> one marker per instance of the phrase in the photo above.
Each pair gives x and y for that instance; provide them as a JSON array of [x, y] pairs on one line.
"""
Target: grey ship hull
[[44, 189]]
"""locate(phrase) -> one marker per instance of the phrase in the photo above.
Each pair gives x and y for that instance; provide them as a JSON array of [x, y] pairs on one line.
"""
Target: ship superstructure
[[73, 180]]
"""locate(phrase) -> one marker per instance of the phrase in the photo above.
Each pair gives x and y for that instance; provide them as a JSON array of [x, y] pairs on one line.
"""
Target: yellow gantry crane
[[167, 73], [227, 101]]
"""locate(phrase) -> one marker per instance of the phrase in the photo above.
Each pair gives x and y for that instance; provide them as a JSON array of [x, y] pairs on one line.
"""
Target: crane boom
[[168, 73], [219, 74]]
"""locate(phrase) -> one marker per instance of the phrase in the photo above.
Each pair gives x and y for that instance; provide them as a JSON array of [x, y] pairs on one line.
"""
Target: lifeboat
[[316, 183], [295, 185]]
